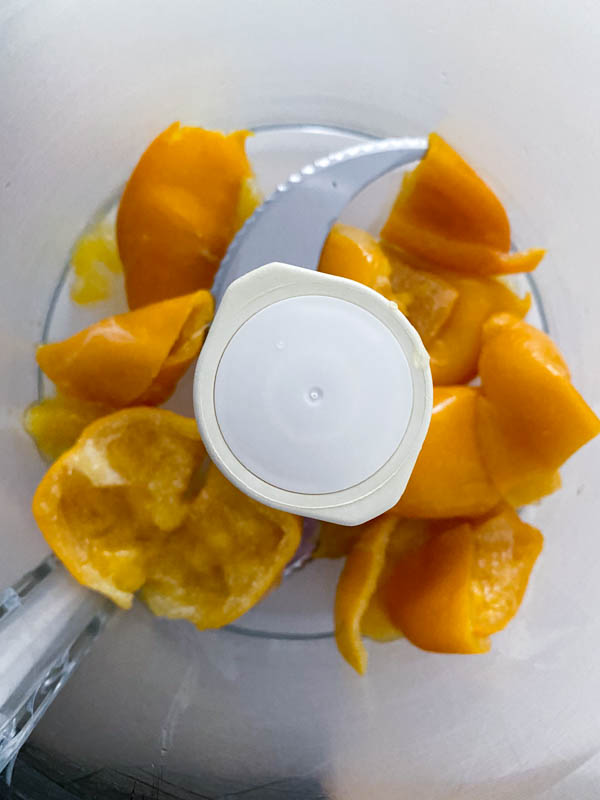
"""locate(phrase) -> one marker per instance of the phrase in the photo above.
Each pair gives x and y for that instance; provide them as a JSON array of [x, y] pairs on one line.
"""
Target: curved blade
[[293, 223]]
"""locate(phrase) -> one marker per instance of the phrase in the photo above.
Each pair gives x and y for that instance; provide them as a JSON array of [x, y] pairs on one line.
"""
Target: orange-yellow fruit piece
[[184, 351], [444, 192], [526, 380], [227, 554], [355, 254], [447, 215], [133, 504], [136, 357], [106, 505], [429, 594], [356, 585], [425, 298], [179, 211], [336, 541], [464, 583], [249, 200], [519, 474], [95, 262], [455, 350], [55, 423], [462, 257], [449, 478], [376, 622], [505, 550]]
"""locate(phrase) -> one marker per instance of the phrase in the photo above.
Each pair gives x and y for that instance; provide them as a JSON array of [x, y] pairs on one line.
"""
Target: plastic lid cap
[[313, 394]]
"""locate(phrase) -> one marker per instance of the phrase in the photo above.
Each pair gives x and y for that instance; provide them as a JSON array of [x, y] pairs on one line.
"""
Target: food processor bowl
[[267, 708]]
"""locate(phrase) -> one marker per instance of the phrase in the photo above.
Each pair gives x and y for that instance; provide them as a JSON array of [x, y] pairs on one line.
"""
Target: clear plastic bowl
[[158, 708]]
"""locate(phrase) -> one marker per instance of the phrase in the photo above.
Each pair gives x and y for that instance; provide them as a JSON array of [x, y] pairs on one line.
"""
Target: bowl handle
[[47, 624]]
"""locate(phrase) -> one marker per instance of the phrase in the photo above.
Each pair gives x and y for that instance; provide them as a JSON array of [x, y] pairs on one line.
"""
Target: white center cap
[[313, 394]]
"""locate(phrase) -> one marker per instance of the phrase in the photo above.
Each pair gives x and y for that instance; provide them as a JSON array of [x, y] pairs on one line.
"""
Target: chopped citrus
[[136, 357], [445, 193], [354, 254], [426, 299], [184, 350], [448, 216], [454, 351], [463, 583], [356, 585], [449, 478], [526, 380], [179, 211], [376, 623], [55, 423], [517, 471], [335, 541], [229, 551], [95, 262], [249, 200], [449, 310], [505, 551], [106, 505], [428, 594]]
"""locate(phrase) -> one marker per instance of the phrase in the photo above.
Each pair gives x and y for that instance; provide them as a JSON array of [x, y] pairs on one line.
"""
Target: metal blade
[[293, 223]]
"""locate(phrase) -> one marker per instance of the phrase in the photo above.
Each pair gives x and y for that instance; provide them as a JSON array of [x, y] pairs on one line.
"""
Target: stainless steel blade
[[293, 223]]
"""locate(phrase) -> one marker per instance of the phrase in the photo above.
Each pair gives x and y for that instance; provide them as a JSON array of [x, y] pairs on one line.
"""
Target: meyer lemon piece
[[227, 554], [446, 215], [106, 505], [449, 478], [131, 358], [180, 209], [356, 585]]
